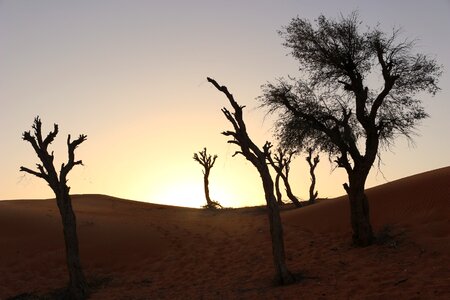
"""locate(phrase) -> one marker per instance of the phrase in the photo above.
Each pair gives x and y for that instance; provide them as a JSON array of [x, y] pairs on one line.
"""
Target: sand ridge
[[136, 250]]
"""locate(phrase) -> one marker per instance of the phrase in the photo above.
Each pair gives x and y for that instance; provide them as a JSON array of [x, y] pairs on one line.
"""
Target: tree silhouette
[[207, 161], [333, 109], [281, 161], [258, 158], [78, 288], [277, 189], [312, 166]]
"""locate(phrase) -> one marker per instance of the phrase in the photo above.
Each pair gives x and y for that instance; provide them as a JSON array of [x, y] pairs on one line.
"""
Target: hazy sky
[[132, 76]]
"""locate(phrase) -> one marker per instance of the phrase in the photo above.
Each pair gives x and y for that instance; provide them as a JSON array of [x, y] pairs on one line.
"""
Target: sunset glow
[[132, 76], [189, 193]]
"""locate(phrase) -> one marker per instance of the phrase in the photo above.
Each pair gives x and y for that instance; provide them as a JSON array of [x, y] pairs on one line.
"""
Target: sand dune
[[134, 250]]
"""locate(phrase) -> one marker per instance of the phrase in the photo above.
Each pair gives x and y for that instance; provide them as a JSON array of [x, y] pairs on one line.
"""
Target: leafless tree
[[281, 162], [258, 158], [207, 161], [277, 190], [333, 110], [78, 287], [312, 162]]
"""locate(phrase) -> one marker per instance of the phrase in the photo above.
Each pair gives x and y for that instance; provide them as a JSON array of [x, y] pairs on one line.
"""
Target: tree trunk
[[289, 193], [78, 287], [359, 210], [312, 195], [206, 183], [277, 190], [312, 166], [283, 276], [258, 158]]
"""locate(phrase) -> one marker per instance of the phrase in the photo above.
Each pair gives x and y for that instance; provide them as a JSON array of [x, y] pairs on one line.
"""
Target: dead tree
[[207, 161], [78, 287], [277, 189], [281, 163], [258, 158], [312, 166]]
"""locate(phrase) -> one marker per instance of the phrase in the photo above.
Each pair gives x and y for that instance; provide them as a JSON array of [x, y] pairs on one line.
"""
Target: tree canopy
[[332, 106]]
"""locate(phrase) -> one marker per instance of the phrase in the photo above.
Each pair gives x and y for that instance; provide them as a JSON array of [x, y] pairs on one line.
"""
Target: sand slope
[[134, 250]]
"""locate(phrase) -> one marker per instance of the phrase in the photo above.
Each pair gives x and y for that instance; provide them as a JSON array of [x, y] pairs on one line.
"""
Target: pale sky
[[132, 76]]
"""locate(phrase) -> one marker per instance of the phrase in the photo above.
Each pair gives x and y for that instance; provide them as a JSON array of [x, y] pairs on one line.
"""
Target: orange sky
[[132, 76]]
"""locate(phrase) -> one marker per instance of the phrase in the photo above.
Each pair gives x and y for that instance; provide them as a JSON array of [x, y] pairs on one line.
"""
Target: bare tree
[[334, 110], [78, 287], [312, 166], [258, 158], [207, 161], [277, 189], [281, 161]]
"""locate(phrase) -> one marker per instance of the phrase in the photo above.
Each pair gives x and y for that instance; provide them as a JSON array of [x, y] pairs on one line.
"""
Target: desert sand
[[135, 250]]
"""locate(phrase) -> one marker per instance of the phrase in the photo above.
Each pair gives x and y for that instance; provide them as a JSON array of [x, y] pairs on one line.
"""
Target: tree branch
[[237, 108], [71, 146], [248, 149], [37, 126], [50, 137], [389, 80], [26, 136], [207, 161], [37, 174]]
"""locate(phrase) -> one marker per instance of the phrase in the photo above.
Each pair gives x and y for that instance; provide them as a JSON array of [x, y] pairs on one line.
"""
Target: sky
[[132, 76]]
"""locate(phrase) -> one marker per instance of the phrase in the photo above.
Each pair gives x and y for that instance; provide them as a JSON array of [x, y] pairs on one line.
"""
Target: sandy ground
[[133, 250]]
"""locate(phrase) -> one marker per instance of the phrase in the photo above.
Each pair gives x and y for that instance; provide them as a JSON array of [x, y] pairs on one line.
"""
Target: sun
[[190, 193], [183, 193]]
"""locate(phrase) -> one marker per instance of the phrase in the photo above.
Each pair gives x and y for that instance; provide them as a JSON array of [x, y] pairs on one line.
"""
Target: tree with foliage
[[333, 109], [258, 158], [312, 162], [207, 161], [281, 162], [78, 287]]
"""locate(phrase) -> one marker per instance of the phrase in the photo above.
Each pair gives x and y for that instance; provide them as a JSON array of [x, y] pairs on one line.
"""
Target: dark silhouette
[[258, 158], [78, 287], [312, 166], [277, 189], [334, 111], [207, 161], [281, 163]]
